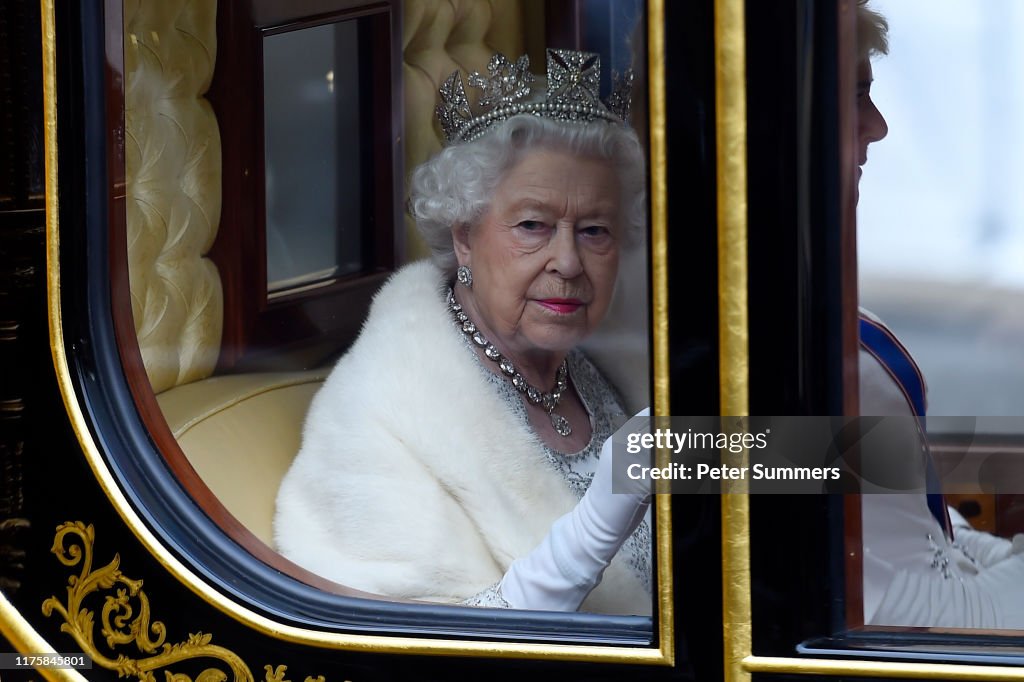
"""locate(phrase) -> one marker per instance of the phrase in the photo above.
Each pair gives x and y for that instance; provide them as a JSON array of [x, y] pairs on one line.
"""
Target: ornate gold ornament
[[277, 675], [125, 599]]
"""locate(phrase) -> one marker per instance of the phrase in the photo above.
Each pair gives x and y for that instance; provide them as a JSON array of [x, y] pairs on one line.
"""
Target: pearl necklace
[[548, 401]]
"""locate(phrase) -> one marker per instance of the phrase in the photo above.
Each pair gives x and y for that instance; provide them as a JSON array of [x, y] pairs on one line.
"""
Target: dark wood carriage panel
[[260, 331]]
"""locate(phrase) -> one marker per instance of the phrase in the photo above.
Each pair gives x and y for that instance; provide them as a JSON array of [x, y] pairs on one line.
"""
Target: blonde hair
[[872, 32]]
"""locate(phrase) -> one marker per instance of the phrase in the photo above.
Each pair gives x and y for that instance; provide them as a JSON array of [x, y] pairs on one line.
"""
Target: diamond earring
[[464, 276]]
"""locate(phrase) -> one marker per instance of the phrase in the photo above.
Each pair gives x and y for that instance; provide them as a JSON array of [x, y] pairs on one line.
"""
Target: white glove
[[987, 549], [570, 560], [993, 598]]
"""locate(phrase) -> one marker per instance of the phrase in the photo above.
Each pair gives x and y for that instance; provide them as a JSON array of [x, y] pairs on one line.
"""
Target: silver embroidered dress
[[602, 403]]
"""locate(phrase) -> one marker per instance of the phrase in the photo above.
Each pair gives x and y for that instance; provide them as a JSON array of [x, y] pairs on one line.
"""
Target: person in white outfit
[[924, 565]]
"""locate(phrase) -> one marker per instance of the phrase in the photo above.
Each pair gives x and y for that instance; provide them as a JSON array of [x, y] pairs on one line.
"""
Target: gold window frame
[[731, 132]]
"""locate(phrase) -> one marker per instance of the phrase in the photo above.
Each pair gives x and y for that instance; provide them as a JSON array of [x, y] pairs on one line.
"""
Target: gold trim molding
[[733, 331], [659, 203], [904, 671], [661, 656], [656, 84], [20, 633], [731, 131]]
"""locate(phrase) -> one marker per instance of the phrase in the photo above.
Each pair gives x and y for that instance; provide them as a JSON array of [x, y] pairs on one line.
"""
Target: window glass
[[236, 435], [940, 232], [941, 214], [312, 154]]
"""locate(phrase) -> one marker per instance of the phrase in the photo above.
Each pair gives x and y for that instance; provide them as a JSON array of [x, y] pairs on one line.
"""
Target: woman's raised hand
[[560, 573]]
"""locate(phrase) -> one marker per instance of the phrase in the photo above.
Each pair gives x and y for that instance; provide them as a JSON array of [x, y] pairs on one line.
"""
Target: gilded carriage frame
[[736, 537], [123, 501]]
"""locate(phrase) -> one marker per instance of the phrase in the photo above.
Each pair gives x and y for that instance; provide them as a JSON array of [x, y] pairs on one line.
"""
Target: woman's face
[[546, 253]]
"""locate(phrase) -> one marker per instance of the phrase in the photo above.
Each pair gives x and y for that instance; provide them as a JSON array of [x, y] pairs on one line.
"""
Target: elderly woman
[[448, 456]]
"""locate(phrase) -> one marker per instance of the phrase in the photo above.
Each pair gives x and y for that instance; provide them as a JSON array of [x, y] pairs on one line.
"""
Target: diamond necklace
[[548, 401]]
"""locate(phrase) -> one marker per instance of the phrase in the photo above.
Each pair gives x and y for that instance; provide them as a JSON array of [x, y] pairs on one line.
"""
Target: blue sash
[[876, 339]]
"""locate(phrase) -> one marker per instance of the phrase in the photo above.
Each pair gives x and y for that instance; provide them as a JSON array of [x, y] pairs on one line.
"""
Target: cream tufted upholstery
[[240, 432], [440, 36], [172, 158]]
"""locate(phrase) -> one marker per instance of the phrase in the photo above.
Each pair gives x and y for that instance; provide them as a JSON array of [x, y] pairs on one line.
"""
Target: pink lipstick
[[563, 306]]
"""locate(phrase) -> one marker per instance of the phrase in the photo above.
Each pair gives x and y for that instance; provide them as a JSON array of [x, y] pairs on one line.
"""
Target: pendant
[[561, 424]]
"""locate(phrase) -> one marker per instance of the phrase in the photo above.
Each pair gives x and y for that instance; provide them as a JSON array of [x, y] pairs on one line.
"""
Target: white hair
[[455, 187], [872, 32]]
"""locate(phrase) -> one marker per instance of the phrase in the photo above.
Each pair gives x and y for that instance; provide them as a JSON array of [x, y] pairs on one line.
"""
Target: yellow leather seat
[[240, 432]]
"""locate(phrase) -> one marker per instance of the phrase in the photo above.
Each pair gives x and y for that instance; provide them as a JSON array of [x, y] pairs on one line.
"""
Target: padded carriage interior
[[240, 432]]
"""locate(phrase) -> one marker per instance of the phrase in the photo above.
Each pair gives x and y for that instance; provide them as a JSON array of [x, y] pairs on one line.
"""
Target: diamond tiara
[[573, 79]]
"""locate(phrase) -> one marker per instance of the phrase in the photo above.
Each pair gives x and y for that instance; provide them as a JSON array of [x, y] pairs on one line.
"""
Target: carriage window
[[311, 146], [297, 212], [311, 104], [941, 262], [941, 219]]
